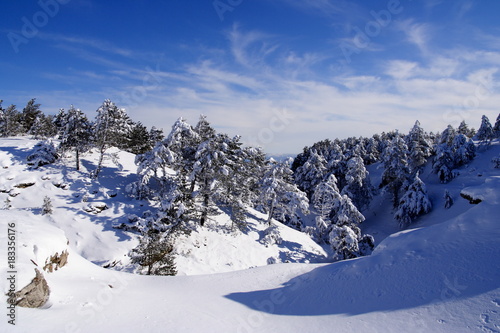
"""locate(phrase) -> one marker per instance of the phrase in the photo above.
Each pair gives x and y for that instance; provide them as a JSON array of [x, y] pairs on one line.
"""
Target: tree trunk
[[101, 159], [77, 160], [270, 217], [204, 213]]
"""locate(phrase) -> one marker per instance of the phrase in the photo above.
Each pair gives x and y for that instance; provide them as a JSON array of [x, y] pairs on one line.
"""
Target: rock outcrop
[[35, 294]]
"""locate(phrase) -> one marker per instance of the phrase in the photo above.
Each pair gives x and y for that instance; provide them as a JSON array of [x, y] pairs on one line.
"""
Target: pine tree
[[419, 148], [464, 129], [139, 140], [358, 186], [47, 206], [345, 236], [413, 203], [155, 135], [75, 132], [396, 170], [111, 128], [485, 132], [278, 195], [152, 172], [311, 172], [463, 149], [444, 163], [42, 153], [496, 128], [448, 200], [154, 254], [30, 112], [325, 200], [10, 122]]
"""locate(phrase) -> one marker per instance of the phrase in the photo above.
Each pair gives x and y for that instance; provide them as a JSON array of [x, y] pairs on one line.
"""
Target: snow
[[443, 275]]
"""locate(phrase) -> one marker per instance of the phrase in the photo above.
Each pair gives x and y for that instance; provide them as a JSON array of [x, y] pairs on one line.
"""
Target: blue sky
[[283, 74]]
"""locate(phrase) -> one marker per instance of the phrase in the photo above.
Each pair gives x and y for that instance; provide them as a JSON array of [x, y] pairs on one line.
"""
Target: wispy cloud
[[87, 42], [252, 47], [417, 34]]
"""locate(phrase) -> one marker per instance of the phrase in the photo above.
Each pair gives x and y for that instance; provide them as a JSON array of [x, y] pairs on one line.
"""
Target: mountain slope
[[441, 276]]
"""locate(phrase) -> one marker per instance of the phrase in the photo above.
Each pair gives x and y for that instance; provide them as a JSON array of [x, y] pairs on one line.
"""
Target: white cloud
[[418, 34]]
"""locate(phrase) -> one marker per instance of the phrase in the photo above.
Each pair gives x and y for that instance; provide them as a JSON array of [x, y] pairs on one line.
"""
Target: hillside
[[440, 275]]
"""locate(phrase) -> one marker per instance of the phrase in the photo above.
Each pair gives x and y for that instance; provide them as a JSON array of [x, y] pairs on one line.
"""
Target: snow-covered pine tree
[[413, 203], [154, 254], [155, 135], [75, 132], [10, 122], [372, 153], [210, 163], [111, 128], [396, 170], [345, 236], [496, 128], [47, 206], [485, 132], [183, 141], [463, 128], [238, 178], [44, 152], [448, 200], [308, 175], [443, 163], [419, 147], [325, 200], [463, 149], [447, 136], [358, 186], [278, 195], [152, 172]]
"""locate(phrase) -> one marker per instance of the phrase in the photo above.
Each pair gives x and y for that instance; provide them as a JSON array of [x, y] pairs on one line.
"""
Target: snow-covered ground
[[443, 275]]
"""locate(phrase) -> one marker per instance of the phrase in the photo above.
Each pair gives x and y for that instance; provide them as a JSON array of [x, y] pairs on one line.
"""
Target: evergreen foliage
[[279, 196], [74, 132], [42, 153], [413, 203], [47, 206], [154, 254], [485, 132], [30, 112]]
